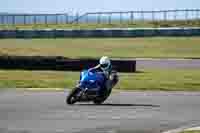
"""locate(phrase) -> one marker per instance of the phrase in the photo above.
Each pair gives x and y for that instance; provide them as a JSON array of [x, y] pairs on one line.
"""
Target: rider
[[105, 66]]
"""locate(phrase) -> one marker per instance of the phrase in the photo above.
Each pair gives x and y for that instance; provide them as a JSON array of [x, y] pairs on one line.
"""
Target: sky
[[83, 6]]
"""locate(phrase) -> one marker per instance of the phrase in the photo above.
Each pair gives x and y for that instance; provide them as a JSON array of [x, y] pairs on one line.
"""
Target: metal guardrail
[[100, 17], [127, 32]]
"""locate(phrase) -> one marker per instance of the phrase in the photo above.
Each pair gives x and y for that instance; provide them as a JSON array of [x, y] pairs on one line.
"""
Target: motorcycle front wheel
[[71, 98]]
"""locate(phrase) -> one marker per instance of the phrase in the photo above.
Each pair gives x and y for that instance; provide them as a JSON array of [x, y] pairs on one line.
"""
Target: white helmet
[[105, 63]]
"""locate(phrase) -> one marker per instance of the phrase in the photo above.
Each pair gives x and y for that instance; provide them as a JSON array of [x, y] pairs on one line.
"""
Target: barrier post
[[165, 15], [109, 19], [120, 17], [132, 17], [66, 18], [99, 18]]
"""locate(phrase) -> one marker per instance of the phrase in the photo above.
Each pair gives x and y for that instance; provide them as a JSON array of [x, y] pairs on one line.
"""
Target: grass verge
[[158, 47], [125, 24], [173, 80], [191, 132]]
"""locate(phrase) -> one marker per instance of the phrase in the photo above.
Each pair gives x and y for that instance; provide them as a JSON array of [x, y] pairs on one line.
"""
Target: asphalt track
[[123, 112], [168, 63]]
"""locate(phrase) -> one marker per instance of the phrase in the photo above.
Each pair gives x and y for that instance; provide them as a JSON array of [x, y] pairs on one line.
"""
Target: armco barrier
[[7, 34], [60, 63], [137, 32]]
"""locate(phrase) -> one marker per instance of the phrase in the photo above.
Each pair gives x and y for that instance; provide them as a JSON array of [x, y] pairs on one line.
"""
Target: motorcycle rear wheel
[[101, 99]]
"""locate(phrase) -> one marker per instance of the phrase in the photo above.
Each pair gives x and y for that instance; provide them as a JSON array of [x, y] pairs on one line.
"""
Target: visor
[[104, 65]]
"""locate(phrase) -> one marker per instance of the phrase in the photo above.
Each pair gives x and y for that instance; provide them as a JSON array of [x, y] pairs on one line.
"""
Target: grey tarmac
[[123, 112], [168, 63]]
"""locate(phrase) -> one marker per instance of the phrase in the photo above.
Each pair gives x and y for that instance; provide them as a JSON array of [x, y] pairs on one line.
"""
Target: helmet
[[105, 63]]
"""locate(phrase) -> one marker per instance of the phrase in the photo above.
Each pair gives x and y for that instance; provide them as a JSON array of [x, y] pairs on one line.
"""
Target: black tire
[[101, 99], [98, 101], [70, 98]]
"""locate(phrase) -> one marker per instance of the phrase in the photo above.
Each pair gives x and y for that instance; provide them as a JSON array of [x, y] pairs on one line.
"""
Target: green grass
[[158, 47], [125, 24], [191, 132], [173, 80]]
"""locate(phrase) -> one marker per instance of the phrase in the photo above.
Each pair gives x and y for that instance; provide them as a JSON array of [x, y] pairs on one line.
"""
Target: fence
[[100, 17]]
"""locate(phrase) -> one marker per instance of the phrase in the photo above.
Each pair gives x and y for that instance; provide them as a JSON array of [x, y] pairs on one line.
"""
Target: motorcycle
[[91, 87]]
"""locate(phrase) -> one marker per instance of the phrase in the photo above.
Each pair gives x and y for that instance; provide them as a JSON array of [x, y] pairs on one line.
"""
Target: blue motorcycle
[[91, 87]]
